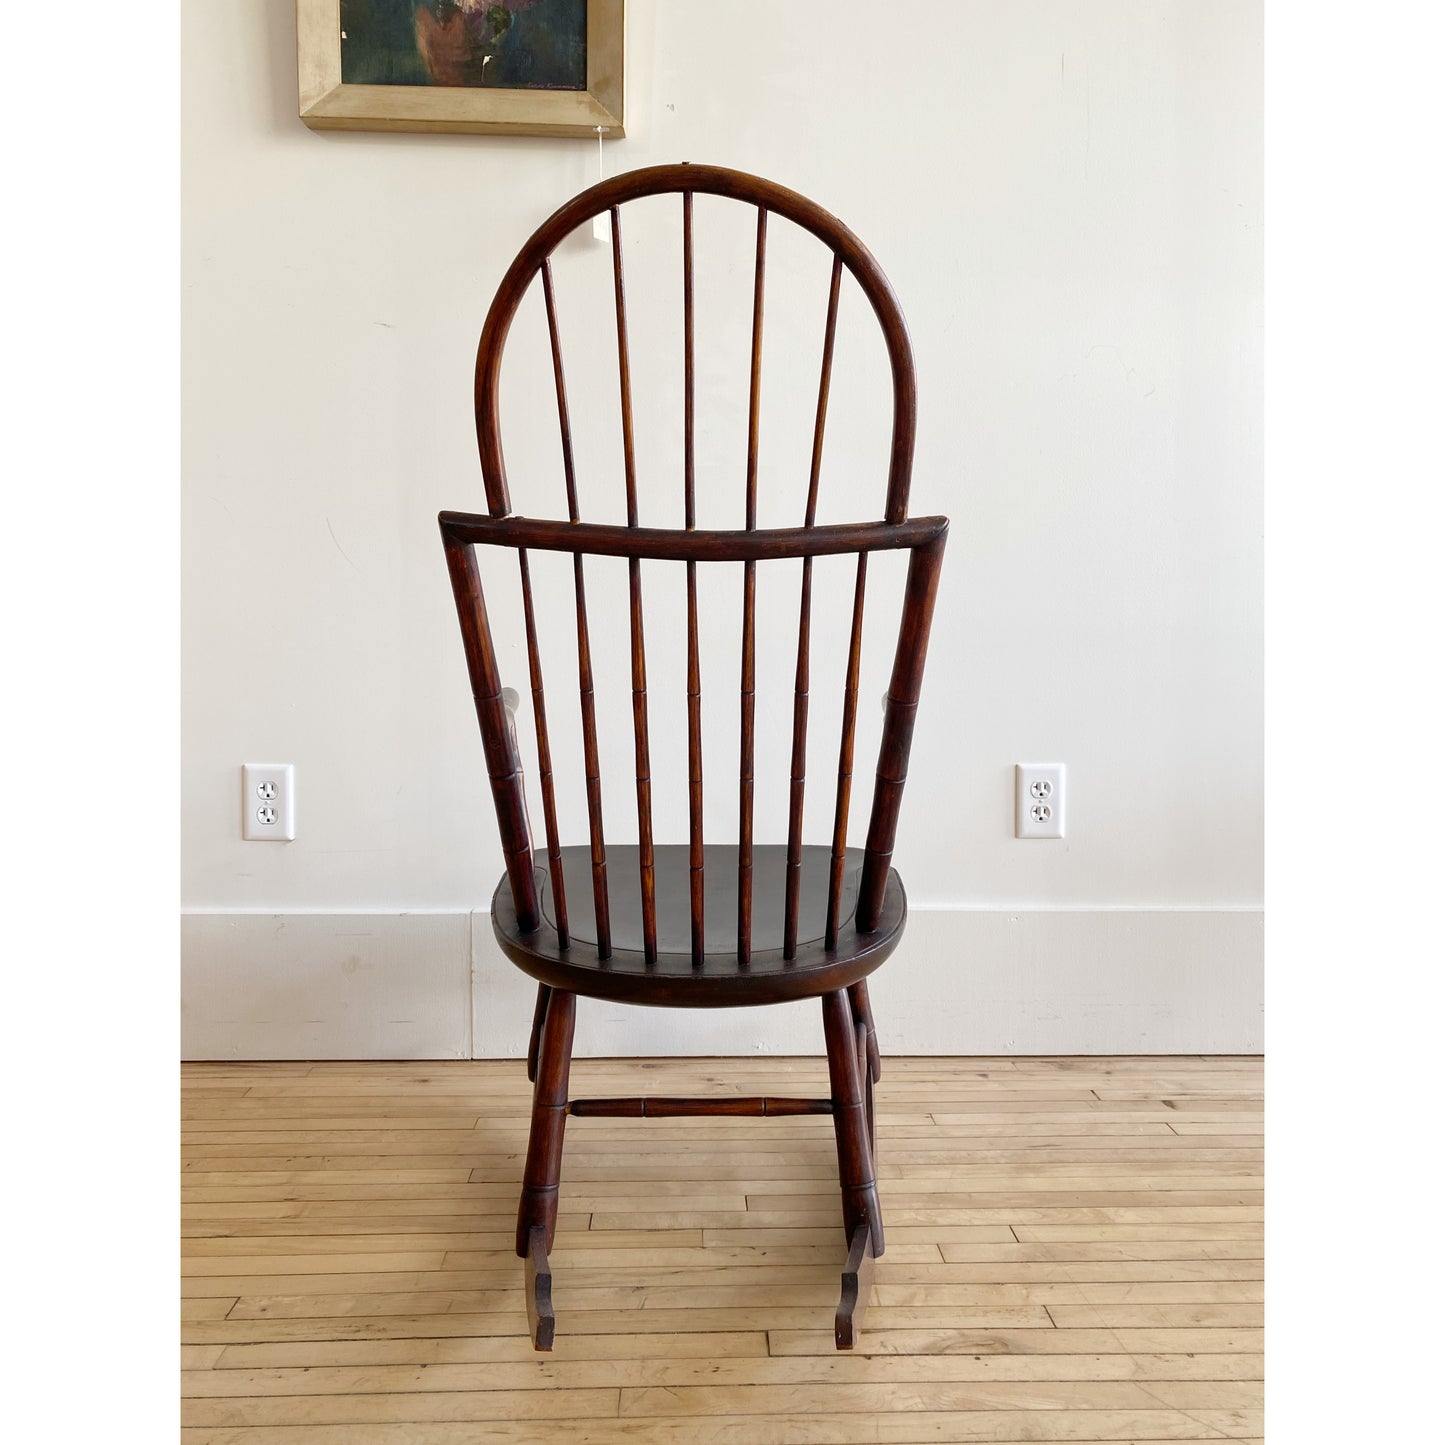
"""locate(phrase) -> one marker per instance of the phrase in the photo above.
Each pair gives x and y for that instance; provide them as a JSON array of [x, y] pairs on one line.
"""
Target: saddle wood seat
[[718, 979]]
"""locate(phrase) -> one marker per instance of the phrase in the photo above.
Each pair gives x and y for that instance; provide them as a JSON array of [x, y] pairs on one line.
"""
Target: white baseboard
[[326, 986], [965, 981]]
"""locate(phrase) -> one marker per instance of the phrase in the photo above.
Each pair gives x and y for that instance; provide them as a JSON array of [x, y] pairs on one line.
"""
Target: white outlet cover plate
[[268, 786], [1038, 800]]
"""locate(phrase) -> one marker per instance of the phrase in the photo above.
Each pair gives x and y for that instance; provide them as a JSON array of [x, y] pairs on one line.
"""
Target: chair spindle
[[745, 768], [755, 381], [749, 662], [845, 758], [643, 769], [805, 604], [544, 752], [694, 669], [592, 766], [568, 469], [647, 878], [600, 909]]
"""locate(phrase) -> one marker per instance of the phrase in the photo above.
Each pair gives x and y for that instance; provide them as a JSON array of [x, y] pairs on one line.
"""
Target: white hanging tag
[[601, 222]]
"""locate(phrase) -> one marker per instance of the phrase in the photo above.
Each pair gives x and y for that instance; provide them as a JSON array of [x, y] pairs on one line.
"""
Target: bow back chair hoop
[[706, 924]]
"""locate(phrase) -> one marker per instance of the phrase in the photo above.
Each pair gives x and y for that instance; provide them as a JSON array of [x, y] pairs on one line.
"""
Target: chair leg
[[539, 1015], [862, 1218], [865, 1081], [863, 1011], [870, 1064], [537, 1213]]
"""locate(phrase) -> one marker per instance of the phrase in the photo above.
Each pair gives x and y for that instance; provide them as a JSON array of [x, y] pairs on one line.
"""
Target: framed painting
[[523, 67]]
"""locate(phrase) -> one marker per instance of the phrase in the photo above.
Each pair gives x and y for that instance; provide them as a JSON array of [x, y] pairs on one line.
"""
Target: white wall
[[1067, 200]]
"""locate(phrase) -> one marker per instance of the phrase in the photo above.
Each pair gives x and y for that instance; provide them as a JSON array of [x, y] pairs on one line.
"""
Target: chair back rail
[[923, 538]]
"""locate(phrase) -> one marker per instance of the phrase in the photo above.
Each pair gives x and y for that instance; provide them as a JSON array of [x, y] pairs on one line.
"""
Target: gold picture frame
[[328, 104]]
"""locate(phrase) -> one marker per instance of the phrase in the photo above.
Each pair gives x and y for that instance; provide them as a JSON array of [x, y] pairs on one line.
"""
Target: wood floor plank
[[1103, 1233], [909, 1397], [910, 1199], [208, 1308], [262, 1242], [318, 1372], [1135, 1427], [462, 1350], [1195, 1342], [490, 1405], [957, 1246], [457, 1311], [371, 1261], [742, 1285]]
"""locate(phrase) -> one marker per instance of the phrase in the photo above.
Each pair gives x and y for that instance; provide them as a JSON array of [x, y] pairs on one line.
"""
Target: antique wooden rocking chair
[[810, 921]]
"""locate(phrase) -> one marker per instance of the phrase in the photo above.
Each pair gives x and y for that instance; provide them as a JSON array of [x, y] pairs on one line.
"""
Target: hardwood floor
[[1074, 1252]]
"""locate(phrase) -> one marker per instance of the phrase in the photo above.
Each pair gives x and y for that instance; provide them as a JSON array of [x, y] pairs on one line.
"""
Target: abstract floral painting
[[507, 44]]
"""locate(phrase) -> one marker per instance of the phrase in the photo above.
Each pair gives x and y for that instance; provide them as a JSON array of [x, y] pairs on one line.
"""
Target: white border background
[[1355, 387]]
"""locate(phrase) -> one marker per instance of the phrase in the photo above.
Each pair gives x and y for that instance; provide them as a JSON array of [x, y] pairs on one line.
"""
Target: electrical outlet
[[268, 802], [1039, 800]]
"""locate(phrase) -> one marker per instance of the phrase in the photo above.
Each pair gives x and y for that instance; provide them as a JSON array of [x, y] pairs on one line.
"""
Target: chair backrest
[[923, 538]]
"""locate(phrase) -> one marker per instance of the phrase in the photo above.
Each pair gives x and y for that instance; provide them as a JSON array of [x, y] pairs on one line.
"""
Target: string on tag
[[601, 222]]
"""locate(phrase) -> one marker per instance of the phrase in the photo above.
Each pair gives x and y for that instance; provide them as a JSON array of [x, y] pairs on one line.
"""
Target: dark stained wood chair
[[701, 925]]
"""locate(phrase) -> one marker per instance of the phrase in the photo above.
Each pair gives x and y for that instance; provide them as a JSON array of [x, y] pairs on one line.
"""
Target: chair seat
[[719, 980]]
